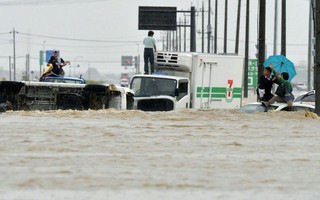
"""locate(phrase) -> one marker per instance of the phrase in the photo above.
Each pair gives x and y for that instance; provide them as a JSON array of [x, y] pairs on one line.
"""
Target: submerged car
[[307, 98], [258, 107]]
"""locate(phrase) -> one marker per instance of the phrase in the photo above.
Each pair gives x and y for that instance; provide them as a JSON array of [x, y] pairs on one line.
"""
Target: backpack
[[283, 90]]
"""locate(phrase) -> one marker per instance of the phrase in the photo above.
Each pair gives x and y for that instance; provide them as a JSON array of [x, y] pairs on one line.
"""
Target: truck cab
[[160, 92], [190, 80]]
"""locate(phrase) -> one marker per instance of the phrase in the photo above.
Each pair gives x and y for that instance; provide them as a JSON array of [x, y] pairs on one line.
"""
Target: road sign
[[253, 73], [126, 60], [49, 53], [157, 18], [41, 58]]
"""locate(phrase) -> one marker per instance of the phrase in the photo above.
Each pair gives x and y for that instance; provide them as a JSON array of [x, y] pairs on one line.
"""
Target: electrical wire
[[45, 2], [19, 41], [79, 40]]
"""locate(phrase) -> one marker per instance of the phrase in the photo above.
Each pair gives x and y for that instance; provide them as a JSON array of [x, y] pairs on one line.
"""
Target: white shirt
[[149, 42]]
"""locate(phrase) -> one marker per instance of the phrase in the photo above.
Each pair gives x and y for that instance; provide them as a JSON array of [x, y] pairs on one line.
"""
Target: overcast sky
[[115, 23]]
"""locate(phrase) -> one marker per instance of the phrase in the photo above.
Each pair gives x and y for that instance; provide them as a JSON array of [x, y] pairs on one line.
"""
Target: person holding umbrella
[[284, 90]]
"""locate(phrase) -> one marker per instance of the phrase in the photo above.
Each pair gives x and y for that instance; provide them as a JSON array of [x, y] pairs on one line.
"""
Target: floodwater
[[187, 154]]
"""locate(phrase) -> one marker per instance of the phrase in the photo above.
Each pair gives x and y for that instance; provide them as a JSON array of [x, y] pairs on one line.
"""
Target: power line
[[45, 2], [99, 62], [254, 42], [79, 40], [71, 46], [114, 41]]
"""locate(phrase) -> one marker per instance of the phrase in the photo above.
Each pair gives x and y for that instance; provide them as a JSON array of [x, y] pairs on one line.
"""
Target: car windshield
[[254, 108], [306, 98], [151, 86]]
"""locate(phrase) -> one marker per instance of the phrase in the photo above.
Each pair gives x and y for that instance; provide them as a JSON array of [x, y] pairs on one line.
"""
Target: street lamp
[[138, 60], [74, 65], [43, 58]]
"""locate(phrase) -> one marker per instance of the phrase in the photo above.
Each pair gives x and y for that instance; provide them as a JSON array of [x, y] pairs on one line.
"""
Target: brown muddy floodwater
[[188, 154]]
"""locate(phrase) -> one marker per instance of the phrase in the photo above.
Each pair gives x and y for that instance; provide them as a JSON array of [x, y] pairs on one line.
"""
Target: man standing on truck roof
[[149, 44]]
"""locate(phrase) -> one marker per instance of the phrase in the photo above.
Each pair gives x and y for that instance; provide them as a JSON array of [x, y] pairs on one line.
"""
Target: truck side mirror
[[177, 92]]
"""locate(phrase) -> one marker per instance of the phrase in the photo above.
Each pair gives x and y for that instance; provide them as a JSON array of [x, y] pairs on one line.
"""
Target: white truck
[[56, 95], [190, 80]]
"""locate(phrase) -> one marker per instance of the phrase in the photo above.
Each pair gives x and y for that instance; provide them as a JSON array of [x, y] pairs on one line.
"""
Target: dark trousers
[[148, 57]]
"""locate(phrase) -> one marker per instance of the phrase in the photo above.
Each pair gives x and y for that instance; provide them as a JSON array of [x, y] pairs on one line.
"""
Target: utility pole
[[170, 41], [310, 45], [167, 46], [177, 41], [89, 74], [261, 36], [216, 28], [163, 44], [317, 55], [27, 67], [173, 41], [193, 36], [209, 26], [180, 23], [236, 51], [212, 39], [10, 66], [283, 28], [138, 60], [42, 66], [26, 76], [246, 54], [14, 53], [275, 35], [185, 34], [202, 32], [225, 26]]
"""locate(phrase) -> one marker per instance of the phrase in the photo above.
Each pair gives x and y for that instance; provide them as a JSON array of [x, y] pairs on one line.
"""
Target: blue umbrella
[[281, 64]]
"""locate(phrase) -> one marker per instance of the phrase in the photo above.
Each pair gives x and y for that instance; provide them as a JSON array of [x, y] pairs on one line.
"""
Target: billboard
[[157, 18]]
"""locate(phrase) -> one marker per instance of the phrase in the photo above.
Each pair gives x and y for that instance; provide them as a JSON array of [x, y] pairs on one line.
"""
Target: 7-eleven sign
[[253, 73]]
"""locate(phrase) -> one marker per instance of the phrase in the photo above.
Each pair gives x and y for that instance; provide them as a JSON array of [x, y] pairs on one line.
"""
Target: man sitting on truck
[[149, 44], [55, 65]]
